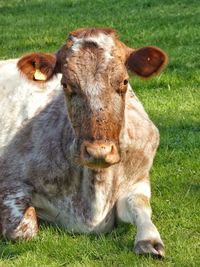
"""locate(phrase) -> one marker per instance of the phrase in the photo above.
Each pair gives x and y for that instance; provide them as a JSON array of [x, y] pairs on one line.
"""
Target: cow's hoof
[[145, 247]]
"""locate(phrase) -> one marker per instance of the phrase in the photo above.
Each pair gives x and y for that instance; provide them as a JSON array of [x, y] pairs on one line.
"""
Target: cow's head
[[94, 66]]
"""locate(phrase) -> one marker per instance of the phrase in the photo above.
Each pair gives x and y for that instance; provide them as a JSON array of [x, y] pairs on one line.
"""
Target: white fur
[[56, 210], [94, 91], [46, 210], [102, 40], [133, 108], [147, 231], [142, 188], [20, 100], [130, 210], [124, 203], [10, 202]]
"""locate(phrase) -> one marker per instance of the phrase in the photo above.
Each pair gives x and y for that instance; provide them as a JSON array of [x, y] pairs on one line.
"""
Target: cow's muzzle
[[99, 154]]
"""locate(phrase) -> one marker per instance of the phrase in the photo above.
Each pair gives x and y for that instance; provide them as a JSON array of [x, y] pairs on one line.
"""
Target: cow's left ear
[[38, 67], [147, 61]]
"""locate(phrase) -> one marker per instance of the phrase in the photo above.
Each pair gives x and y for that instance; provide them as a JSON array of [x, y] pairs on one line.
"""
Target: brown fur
[[44, 62], [147, 61], [142, 201], [101, 125], [28, 226]]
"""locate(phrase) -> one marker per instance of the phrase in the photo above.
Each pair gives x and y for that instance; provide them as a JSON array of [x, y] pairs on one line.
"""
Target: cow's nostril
[[97, 154], [86, 152], [98, 151]]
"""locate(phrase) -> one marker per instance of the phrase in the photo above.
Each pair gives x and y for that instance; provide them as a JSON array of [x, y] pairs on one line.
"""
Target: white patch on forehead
[[94, 88], [102, 40], [94, 91]]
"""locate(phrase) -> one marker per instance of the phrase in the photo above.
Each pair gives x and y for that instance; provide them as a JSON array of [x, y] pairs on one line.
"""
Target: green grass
[[172, 100]]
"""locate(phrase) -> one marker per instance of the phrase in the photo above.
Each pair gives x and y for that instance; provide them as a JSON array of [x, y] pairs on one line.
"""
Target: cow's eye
[[64, 85], [122, 87], [125, 82]]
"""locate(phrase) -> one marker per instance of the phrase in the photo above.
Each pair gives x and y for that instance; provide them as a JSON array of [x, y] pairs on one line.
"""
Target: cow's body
[[39, 167]]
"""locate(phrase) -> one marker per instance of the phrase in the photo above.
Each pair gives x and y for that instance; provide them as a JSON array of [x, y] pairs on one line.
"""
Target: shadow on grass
[[117, 240], [8, 250]]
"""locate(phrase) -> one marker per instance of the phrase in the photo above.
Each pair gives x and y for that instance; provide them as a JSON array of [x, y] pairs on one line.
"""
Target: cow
[[76, 143]]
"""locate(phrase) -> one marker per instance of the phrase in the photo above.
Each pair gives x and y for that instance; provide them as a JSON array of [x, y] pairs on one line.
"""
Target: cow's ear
[[38, 67], [146, 61]]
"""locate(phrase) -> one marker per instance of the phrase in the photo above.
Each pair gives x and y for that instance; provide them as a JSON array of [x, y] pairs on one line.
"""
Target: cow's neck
[[99, 188], [124, 138]]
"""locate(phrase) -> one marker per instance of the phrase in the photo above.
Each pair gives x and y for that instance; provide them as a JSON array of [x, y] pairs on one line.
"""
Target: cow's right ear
[[38, 67]]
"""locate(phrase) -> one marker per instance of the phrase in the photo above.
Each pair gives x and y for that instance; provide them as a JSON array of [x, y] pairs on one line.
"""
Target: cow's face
[[95, 83], [94, 65]]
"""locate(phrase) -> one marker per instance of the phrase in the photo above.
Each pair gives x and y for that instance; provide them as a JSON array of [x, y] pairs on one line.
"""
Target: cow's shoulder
[[140, 139], [140, 129]]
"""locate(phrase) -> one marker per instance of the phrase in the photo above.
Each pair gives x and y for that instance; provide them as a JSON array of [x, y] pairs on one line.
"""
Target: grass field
[[172, 100]]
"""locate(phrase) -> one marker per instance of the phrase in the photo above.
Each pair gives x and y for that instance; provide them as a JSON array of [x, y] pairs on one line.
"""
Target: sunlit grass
[[172, 101]]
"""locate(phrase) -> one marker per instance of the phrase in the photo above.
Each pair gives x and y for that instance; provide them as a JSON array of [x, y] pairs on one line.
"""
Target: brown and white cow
[[78, 155]]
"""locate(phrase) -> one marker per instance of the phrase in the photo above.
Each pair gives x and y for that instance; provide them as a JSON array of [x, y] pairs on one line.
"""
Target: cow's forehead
[[90, 63], [93, 58], [102, 40]]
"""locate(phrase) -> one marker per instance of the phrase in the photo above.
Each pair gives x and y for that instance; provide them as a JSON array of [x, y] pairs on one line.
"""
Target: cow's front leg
[[17, 218], [134, 207]]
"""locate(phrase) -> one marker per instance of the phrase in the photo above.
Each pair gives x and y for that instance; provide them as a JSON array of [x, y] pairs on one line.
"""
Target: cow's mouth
[[97, 164]]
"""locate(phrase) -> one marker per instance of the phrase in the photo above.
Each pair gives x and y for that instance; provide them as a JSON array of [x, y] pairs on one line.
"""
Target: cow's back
[[20, 100]]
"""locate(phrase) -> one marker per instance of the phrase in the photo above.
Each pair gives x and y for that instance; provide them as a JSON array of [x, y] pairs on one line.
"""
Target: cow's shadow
[[12, 250]]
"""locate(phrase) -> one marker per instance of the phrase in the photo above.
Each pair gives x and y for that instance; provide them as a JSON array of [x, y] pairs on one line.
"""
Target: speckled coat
[[44, 170]]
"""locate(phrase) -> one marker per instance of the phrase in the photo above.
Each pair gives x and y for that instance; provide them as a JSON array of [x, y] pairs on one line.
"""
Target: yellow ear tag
[[39, 76]]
